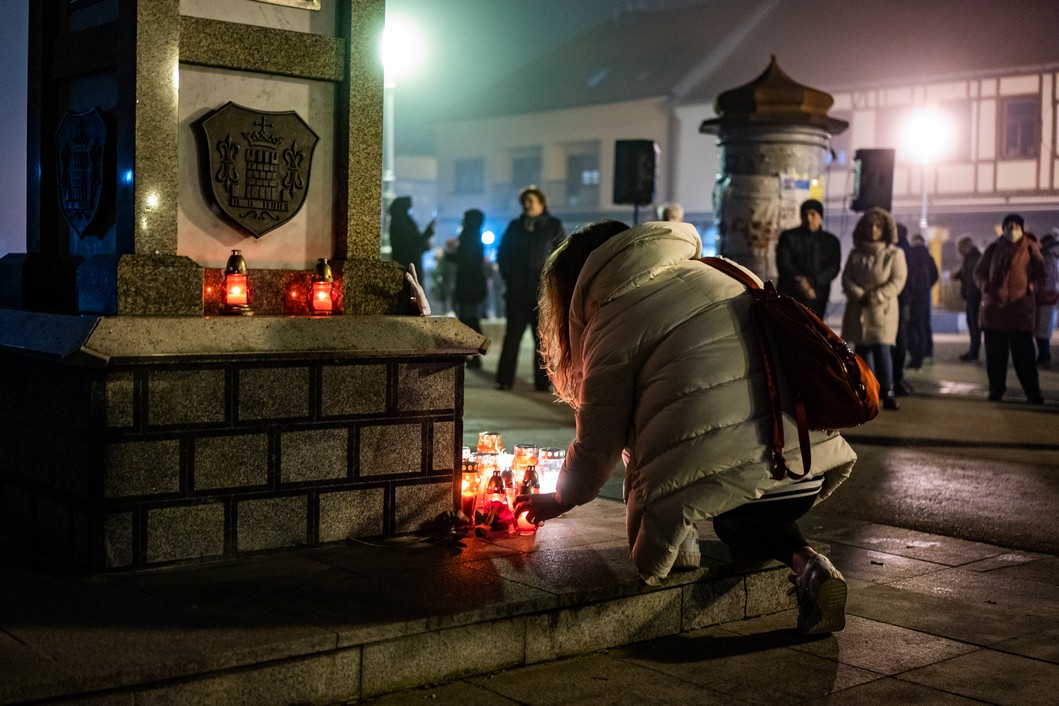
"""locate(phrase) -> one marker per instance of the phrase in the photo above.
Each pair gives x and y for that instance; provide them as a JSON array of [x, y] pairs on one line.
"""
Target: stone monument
[[139, 426]]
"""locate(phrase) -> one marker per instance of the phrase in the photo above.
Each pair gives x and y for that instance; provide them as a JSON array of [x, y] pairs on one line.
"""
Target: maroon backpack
[[831, 386]]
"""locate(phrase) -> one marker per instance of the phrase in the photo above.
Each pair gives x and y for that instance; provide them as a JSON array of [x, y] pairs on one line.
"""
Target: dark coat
[[522, 252], [968, 289], [922, 274], [469, 258], [406, 242], [815, 256], [1008, 275]]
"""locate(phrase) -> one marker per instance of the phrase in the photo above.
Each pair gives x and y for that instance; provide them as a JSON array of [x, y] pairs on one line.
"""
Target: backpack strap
[[780, 468]]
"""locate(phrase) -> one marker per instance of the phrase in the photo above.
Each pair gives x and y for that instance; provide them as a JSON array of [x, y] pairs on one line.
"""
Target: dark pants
[[765, 529], [920, 334], [899, 352], [880, 359], [974, 305], [1023, 358], [518, 318]]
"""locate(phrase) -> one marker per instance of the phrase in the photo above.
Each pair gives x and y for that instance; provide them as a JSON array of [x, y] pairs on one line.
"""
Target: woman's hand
[[540, 507]]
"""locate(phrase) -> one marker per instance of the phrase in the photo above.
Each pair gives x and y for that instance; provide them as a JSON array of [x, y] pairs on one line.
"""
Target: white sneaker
[[821, 593]]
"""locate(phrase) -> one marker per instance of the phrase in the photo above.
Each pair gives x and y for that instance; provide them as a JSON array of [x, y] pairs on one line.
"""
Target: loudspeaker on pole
[[635, 163], [873, 179]]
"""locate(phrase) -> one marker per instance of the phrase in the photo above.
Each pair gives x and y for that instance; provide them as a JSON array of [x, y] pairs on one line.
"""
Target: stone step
[[351, 621]]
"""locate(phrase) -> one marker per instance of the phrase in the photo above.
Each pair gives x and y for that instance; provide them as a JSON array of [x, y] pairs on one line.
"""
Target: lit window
[[1019, 133]]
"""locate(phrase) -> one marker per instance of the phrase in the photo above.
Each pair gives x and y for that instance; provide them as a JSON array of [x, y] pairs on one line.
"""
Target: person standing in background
[[1009, 273], [808, 258], [972, 295], [1047, 296], [874, 274], [900, 347], [469, 289], [671, 211], [922, 274], [406, 242], [525, 247]]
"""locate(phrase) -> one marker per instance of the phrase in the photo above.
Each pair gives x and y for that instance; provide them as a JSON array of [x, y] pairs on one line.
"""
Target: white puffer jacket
[[671, 377]]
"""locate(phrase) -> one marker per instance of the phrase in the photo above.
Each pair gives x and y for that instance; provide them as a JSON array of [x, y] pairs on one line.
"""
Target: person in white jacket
[[654, 351]]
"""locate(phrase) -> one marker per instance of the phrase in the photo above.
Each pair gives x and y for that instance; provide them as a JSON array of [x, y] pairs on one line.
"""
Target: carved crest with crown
[[258, 165]]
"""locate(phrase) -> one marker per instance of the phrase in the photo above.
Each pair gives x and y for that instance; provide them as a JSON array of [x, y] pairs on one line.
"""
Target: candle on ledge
[[235, 294]]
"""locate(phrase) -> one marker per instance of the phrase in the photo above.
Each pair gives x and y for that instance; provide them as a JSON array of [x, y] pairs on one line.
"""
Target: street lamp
[[401, 49], [926, 137]]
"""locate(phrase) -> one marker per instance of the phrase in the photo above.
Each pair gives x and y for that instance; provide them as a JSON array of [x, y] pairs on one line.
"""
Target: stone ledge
[[95, 340], [392, 615]]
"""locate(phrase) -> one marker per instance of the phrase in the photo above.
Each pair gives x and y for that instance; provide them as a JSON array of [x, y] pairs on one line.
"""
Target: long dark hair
[[558, 280]]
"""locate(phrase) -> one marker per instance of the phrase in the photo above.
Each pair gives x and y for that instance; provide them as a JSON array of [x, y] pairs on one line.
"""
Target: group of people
[[525, 246], [1010, 290]]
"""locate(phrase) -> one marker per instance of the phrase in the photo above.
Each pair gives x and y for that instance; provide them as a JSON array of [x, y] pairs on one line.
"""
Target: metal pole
[[923, 212]]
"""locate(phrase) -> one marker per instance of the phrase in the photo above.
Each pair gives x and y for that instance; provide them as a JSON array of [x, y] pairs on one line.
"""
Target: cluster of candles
[[237, 294], [492, 479]]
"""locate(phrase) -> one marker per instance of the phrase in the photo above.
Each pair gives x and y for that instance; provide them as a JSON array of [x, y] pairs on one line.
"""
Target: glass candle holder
[[549, 463], [525, 456], [489, 441], [470, 488]]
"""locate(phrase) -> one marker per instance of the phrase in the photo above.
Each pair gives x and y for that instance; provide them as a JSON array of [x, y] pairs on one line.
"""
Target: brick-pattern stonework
[[142, 464]]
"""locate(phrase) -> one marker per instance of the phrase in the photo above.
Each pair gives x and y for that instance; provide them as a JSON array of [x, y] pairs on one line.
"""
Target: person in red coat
[[1009, 273]]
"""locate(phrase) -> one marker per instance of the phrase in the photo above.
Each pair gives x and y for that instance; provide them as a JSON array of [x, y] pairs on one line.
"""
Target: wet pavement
[[949, 614]]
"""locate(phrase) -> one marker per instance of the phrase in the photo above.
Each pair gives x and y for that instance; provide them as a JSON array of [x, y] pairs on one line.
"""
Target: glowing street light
[[926, 136], [402, 51]]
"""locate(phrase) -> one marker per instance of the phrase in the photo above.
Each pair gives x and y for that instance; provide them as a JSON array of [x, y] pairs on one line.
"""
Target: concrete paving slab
[[1042, 570], [889, 691], [1002, 561], [1016, 595], [107, 634], [26, 671], [875, 566], [949, 551], [457, 693], [1042, 644], [977, 623], [747, 669], [414, 602], [324, 678], [596, 679], [865, 644], [575, 575], [991, 676]]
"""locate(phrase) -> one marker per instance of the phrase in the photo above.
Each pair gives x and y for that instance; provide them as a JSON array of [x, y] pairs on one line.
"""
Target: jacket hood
[[631, 258], [626, 261]]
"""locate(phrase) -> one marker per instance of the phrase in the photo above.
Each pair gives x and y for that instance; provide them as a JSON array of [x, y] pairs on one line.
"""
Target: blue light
[[127, 177], [488, 237]]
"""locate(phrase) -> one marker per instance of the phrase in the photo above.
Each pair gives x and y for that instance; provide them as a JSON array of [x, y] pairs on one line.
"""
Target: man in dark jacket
[[808, 258], [922, 274], [972, 295], [526, 245]]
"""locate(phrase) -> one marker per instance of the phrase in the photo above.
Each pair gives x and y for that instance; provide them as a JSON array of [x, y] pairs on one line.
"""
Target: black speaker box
[[635, 162], [873, 183]]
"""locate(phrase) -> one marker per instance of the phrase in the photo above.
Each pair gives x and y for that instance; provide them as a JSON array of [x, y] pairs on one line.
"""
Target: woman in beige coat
[[874, 275], [655, 352]]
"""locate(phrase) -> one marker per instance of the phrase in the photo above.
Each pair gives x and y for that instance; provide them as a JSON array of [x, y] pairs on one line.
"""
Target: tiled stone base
[[164, 449]]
